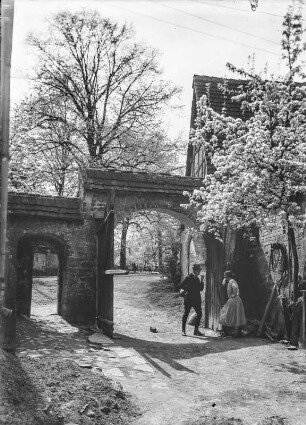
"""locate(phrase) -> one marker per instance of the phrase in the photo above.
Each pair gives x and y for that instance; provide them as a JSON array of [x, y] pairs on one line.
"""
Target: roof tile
[[210, 86]]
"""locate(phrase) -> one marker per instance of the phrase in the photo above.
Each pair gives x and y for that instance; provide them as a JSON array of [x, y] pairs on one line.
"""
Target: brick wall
[[70, 225], [76, 245]]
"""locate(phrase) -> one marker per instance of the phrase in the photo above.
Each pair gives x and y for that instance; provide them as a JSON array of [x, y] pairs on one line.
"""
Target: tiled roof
[[203, 84], [97, 179], [51, 207]]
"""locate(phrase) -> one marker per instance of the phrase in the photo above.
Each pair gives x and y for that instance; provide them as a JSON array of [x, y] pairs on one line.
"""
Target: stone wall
[[59, 221], [76, 249]]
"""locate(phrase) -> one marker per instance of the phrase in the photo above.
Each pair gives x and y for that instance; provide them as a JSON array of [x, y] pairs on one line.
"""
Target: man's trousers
[[198, 310]]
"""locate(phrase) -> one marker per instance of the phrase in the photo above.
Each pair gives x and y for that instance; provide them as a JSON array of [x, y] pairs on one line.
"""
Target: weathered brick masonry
[[69, 226], [61, 222], [136, 192]]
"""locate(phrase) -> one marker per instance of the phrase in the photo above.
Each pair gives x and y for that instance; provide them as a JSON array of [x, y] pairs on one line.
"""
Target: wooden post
[[105, 272], [304, 319], [264, 317], [7, 16]]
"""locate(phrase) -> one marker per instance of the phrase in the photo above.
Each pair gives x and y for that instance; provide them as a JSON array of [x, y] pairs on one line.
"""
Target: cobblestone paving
[[38, 337]]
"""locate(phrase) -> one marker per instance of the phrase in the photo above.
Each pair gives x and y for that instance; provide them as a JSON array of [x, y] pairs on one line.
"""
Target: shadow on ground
[[172, 353], [39, 334]]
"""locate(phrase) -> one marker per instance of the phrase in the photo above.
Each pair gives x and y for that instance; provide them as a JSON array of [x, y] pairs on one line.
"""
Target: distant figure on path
[[232, 313], [134, 267], [192, 286]]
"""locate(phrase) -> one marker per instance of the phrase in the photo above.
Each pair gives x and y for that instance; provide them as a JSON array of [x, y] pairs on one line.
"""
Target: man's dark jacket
[[193, 286]]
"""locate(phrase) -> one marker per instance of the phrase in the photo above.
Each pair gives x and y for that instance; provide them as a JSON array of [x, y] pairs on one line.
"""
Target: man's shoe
[[198, 333], [184, 333]]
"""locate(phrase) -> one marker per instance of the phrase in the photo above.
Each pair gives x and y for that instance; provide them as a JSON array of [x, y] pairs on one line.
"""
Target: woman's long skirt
[[232, 313]]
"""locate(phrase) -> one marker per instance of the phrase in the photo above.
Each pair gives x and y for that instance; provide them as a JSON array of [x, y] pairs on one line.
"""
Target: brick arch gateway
[[81, 230], [25, 258], [113, 195]]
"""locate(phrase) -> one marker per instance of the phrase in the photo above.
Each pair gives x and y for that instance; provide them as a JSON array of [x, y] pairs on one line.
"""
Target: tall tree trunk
[[125, 228], [90, 136], [293, 248], [160, 249], [62, 181], [59, 187]]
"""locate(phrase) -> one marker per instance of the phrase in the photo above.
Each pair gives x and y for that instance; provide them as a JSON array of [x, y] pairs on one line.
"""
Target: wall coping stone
[[54, 207], [98, 180]]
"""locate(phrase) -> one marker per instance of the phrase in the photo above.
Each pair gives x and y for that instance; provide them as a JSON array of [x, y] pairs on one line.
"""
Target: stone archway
[[84, 229], [110, 196], [25, 253]]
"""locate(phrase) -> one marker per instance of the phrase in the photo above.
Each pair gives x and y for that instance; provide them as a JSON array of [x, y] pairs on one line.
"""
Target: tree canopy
[[150, 238], [112, 85], [97, 99]]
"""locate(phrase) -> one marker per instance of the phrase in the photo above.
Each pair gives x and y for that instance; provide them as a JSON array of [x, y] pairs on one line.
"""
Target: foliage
[[43, 159], [150, 240], [112, 85], [96, 100], [171, 264], [259, 163], [253, 4]]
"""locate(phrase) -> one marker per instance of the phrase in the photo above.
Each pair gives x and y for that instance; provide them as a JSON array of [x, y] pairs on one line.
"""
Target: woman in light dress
[[232, 313]]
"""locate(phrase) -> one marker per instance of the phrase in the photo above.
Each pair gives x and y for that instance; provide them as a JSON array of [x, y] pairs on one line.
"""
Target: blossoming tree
[[259, 164]]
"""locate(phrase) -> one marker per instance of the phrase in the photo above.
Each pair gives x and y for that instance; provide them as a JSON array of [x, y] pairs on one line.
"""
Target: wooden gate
[[105, 283], [220, 257]]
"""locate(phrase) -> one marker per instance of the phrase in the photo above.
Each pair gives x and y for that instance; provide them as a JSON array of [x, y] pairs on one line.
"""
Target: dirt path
[[248, 378], [175, 379]]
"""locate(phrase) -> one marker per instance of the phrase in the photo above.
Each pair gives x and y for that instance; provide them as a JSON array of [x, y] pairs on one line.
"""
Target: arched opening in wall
[[148, 242], [154, 247], [40, 274]]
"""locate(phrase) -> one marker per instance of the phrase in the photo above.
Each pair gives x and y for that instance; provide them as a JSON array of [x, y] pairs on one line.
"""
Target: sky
[[193, 37]]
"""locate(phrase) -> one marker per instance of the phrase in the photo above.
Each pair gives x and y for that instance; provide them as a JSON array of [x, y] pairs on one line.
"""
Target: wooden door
[[105, 284]]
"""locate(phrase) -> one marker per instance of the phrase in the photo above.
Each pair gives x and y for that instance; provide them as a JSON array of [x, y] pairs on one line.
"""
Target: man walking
[[192, 286]]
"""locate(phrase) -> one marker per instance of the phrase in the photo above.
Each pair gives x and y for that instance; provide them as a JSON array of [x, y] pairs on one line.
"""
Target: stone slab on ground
[[114, 372], [99, 338]]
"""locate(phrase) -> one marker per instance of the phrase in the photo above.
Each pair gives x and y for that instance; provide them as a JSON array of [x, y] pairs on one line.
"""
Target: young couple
[[232, 313]]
